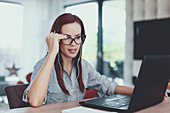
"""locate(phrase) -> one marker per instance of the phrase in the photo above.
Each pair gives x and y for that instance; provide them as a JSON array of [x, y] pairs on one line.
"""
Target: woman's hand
[[166, 96], [124, 90], [53, 40]]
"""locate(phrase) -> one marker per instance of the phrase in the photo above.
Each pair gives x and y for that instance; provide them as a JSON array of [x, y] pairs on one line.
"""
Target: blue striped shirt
[[91, 79]]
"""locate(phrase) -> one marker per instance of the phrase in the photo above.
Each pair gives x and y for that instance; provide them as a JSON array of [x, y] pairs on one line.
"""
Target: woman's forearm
[[124, 90], [38, 89]]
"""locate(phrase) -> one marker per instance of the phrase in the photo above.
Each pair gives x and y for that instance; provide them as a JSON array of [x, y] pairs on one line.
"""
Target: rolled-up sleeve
[[99, 82], [35, 72]]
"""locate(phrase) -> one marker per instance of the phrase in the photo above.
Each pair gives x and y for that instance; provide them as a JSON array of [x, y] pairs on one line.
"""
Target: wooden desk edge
[[163, 107]]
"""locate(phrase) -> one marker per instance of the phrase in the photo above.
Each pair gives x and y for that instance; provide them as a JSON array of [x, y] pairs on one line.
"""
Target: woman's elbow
[[35, 103]]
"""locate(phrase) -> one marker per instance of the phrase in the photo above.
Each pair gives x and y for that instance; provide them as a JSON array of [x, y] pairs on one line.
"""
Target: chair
[[28, 77], [90, 93], [14, 94]]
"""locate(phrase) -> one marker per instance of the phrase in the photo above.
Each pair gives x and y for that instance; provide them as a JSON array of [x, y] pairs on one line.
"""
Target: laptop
[[149, 89]]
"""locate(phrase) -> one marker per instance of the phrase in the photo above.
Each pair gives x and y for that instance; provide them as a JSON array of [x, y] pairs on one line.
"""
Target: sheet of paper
[[81, 109]]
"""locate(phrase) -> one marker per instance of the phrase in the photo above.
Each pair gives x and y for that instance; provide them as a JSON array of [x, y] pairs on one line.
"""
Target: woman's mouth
[[72, 51]]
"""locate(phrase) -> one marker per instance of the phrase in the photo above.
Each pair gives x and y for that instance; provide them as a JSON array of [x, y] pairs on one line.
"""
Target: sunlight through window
[[11, 24]]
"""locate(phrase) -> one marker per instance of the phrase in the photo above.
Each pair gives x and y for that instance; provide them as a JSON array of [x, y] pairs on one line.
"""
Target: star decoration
[[13, 70]]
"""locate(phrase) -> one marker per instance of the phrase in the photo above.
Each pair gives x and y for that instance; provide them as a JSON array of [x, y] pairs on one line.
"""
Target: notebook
[[149, 90], [84, 110]]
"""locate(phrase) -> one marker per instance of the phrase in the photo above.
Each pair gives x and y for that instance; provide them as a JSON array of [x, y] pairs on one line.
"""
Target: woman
[[62, 75]]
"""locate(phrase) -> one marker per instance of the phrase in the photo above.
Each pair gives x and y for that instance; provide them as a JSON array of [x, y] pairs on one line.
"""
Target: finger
[[166, 95], [51, 33], [49, 36], [165, 98], [60, 36], [57, 34]]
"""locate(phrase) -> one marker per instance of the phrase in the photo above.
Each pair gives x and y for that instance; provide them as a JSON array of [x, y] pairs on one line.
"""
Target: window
[[114, 18], [90, 21], [11, 26]]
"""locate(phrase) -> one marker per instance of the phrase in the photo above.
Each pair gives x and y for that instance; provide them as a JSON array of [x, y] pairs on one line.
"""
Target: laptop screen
[[152, 79]]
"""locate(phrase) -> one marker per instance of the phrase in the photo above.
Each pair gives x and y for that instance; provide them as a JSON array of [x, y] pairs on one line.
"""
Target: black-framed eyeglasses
[[78, 40]]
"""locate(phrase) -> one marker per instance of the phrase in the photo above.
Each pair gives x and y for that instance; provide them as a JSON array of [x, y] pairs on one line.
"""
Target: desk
[[163, 107], [56, 108]]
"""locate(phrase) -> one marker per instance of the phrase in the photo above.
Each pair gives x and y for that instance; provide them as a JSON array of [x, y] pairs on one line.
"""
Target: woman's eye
[[78, 37], [69, 38]]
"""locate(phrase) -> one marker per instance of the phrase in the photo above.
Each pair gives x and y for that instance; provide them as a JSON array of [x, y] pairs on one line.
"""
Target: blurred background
[[109, 26]]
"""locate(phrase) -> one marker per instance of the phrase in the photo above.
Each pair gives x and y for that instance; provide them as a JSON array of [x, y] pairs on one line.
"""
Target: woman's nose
[[73, 43]]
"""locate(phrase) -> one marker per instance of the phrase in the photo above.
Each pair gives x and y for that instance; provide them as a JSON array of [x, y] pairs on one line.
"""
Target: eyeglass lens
[[69, 40]]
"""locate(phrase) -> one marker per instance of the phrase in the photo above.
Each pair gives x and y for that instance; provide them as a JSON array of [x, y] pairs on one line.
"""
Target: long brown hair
[[58, 23]]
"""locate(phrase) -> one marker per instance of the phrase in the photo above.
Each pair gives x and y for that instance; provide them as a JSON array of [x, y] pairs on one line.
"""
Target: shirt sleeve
[[35, 72], [100, 82]]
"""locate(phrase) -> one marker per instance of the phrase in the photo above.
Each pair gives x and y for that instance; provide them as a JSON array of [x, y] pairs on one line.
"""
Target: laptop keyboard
[[120, 102]]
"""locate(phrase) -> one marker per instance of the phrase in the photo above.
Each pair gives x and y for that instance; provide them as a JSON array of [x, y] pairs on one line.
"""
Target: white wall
[[38, 16]]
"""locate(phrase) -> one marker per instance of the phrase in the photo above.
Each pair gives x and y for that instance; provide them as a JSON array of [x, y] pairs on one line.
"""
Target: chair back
[[90, 93], [14, 94]]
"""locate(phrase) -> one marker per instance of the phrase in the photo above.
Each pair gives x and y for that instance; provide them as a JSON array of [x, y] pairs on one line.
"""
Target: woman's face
[[71, 30]]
